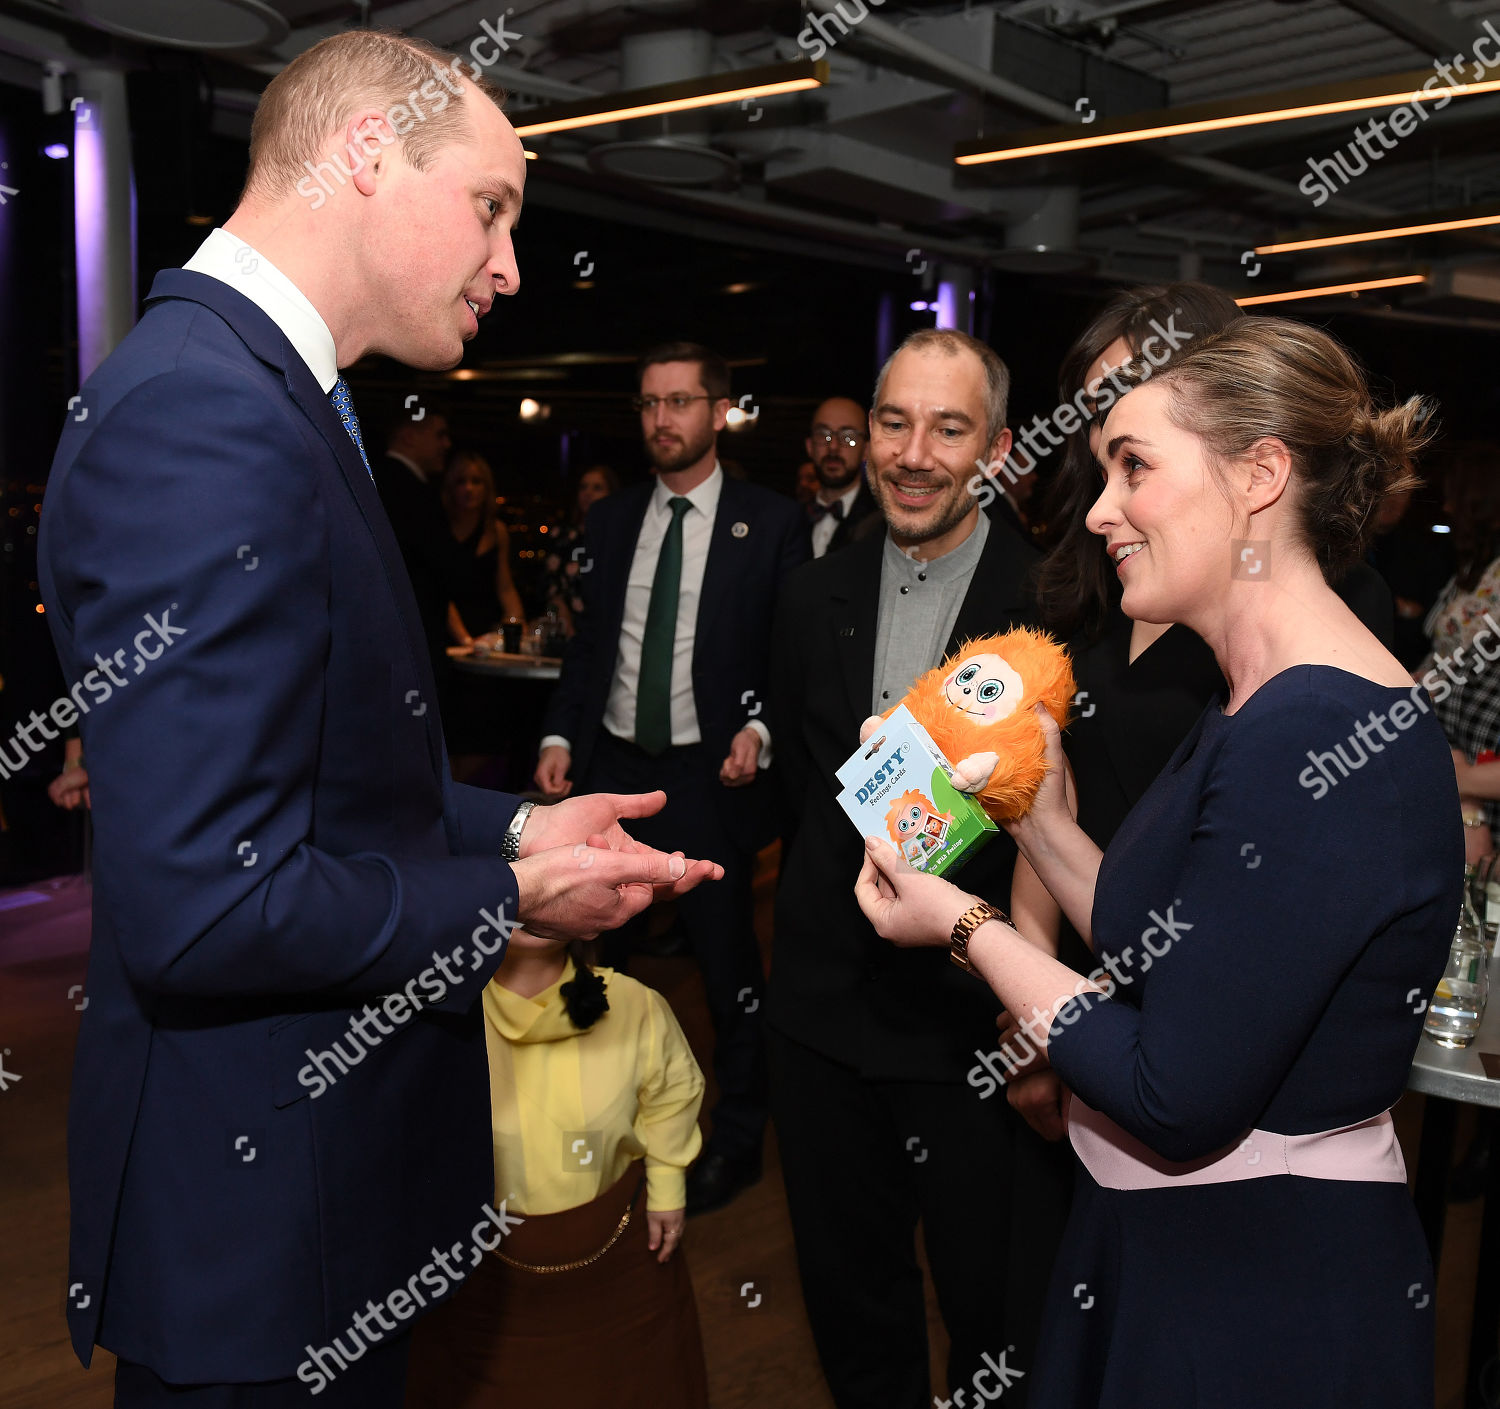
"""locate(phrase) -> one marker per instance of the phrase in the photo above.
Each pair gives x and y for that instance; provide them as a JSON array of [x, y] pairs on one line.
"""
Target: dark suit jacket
[[836, 986], [732, 644], [277, 844], [417, 519], [857, 523]]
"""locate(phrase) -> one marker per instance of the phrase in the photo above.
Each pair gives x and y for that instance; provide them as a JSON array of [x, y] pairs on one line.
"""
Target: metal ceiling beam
[[1421, 22]]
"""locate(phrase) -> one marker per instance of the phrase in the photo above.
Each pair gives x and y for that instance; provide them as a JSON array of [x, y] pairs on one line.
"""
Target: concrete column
[[103, 216]]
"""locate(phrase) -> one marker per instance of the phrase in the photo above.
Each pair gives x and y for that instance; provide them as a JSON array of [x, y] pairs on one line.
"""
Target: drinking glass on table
[[1457, 1007]]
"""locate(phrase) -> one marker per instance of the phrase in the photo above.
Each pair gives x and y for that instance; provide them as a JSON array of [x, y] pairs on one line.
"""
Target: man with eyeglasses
[[836, 446], [666, 683]]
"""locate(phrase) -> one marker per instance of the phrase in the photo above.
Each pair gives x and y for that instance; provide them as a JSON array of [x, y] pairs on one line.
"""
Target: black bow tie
[[819, 509]]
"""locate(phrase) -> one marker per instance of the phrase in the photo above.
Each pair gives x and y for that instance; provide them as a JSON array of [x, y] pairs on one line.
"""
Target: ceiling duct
[[671, 150], [1046, 240]]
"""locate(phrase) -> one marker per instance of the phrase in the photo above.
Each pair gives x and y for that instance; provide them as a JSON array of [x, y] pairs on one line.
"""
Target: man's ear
[[999, 451], [721, 412], [367, 136]]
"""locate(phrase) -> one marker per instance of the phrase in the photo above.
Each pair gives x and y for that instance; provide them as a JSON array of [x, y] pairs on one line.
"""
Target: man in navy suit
[[664, 686], [279, 1136]]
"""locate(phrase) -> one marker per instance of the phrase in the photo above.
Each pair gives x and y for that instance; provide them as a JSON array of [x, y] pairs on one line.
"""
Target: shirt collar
[[705, 498], [252, 274], [953, 565]]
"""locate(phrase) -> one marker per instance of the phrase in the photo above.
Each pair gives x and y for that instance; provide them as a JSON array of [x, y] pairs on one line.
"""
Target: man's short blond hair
[[321, 88]]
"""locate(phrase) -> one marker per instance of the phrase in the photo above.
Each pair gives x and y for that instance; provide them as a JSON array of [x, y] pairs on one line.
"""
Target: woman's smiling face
[[1165, 522]]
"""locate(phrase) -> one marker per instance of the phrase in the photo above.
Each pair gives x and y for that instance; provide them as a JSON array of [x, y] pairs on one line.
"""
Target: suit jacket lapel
[[267, 342], [856, 614], [617, 579], [719, 570], [997, 595]]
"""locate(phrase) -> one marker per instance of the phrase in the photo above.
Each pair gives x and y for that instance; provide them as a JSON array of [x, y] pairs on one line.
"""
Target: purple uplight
[[946, 306], [58, 151], [920, 307]]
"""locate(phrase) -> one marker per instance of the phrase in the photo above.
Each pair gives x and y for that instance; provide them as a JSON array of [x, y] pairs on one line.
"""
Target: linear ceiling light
[[1357, 288], [1386, 90], [1435, 222], [736, 87]]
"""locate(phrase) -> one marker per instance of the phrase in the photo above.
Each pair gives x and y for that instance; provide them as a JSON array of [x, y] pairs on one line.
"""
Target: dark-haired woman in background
[[1141, 684], [587, 1302], [1241, 1233], [562, 589]]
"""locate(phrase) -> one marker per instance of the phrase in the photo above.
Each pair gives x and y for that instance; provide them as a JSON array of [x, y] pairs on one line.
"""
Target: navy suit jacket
[[732, 641], [277, 845]]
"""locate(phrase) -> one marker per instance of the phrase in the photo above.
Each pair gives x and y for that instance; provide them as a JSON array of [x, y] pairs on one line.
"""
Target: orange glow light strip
[[1394, 232], [675, 105], [1388, 98], [1356, 288]]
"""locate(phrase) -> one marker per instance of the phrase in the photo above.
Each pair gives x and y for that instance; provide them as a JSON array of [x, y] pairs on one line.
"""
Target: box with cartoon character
[[899, 786]]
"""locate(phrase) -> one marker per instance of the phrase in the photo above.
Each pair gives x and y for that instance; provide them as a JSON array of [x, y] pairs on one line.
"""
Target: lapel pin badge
[[739, 529], [846, 631]]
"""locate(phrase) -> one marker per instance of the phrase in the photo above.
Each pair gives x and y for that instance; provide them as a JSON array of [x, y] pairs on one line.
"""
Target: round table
[[1446, 1075], [498, 665]]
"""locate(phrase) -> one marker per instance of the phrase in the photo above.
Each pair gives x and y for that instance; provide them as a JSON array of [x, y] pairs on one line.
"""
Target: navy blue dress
[[1289, 920]]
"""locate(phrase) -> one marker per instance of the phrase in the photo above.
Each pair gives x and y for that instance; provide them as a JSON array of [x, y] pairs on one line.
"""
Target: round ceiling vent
[[186, 24], [665, 161], [1040, 260]]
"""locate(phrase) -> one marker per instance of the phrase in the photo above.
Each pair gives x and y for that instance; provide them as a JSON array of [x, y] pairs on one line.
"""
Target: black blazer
[[836, 986], [415, 511], [731, 647]]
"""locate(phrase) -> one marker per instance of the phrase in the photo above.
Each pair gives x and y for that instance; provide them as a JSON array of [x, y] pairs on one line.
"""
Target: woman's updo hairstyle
[[1275, 377]]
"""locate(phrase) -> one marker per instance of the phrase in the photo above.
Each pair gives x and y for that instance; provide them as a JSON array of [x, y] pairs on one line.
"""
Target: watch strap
[[510, 843], [968, 922]]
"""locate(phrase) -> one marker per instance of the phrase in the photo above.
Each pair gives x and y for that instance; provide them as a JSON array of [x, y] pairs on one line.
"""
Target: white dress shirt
[[220, 257], [697, 532], [826, 526]]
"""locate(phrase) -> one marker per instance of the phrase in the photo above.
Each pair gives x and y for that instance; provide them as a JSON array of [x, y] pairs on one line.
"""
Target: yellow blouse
[[571, 1109]]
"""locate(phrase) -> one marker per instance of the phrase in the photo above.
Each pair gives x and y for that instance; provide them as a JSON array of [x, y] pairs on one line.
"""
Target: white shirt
[[253, 275], [826, 526], [697, 533]]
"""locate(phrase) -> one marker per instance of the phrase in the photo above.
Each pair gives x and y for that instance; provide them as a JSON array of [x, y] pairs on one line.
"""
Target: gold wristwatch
[[968, 922]]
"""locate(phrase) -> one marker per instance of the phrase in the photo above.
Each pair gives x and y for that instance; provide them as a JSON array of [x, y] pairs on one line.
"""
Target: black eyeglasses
[[826, 438], [676, 403]]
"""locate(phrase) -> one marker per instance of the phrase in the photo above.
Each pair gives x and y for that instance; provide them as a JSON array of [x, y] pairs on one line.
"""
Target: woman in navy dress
[[1266, 921]]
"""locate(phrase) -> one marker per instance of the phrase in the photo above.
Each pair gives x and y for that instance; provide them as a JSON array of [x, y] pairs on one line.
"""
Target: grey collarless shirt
[[919, 605]]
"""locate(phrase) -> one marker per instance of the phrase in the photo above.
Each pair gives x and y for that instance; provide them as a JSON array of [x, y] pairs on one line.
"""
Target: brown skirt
[[620, 1332]]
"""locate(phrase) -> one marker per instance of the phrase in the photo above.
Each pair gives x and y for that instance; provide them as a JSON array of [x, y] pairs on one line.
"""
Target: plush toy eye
[[966, 674], [990, 691]]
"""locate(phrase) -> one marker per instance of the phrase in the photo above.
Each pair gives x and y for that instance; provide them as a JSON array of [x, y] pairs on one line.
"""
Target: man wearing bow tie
[[836, 446], [664, 686]]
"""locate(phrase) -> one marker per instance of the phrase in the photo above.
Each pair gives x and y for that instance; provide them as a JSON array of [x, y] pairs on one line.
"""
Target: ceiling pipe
[[972, 76]]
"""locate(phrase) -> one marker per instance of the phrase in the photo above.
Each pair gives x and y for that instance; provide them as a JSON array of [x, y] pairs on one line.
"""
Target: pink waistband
[[1365, 1152]]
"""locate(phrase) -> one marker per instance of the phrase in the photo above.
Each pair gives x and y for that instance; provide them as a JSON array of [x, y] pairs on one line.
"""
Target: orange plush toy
[[978, 707]]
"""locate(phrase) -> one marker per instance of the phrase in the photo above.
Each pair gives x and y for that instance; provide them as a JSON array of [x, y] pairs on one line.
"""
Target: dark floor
[[757, 1355]]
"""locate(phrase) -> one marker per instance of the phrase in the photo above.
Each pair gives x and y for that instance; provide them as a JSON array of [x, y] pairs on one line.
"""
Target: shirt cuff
[[554, 740], [764, 761], [666, 1187]]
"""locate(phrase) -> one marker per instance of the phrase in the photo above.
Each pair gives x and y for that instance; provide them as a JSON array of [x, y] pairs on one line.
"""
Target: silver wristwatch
[[510, 843]]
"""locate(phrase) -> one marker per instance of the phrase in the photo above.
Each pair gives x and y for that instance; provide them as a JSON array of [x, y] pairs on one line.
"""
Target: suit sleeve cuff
[[554, 741], [764, 735]]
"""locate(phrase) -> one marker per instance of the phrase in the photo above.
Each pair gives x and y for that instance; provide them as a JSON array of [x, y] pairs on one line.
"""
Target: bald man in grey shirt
[[880, 1122]]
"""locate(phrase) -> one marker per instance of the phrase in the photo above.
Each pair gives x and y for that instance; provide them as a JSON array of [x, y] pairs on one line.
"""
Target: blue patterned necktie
[[343, 403]]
